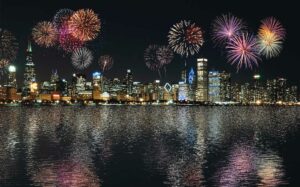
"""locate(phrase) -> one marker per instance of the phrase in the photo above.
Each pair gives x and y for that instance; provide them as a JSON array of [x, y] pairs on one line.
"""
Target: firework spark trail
[[67, 41], [85, 25], [271, 35], [105, 62], [185, 38], [243, 51], [82, 58], [150, 57], [45, 34], [61, 17], [225, 27]]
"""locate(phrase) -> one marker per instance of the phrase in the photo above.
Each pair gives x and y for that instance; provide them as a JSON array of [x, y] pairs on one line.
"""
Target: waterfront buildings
[[202, 80], [29, 74], [196, 85]]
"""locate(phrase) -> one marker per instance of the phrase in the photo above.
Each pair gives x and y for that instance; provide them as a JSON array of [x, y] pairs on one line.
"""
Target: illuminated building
[[214, 86], [281, 89], [129, 82], [183, 91], [225, 87], [202, 80], [257, 90], [245, 94], [12, 81], [2, 93], [167, 92], [80, 83], [54, 80], [291, 94], [97, 86], [29, 74], [156, 91], [192, 85]]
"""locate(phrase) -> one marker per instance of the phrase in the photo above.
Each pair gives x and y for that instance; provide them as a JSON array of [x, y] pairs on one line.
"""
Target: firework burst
[[271, 35], [105, 62], [225, 27], [8, 46], [45, 34], [82, 58], [85, 25], [164, 55], [151, 60], [67, 41], [243, 51], [185, 38], [61, 17]]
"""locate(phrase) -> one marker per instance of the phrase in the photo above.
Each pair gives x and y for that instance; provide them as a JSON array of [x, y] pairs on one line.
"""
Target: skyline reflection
[[147, 146]]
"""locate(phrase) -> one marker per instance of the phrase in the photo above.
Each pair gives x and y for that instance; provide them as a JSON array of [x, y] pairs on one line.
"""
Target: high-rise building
[[202, 80], [214, 85], [225, 87], [156, 91], [12, 81], [97, 79], [183, 91], [29, 74], [192, 82], [281, 89], [97, 85], [257, 90], [129, 82], [54, 80]]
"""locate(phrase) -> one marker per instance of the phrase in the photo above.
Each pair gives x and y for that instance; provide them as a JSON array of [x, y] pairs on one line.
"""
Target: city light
[[12, 69]]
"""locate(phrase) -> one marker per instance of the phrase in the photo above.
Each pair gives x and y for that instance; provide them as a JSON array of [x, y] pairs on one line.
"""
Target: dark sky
[[128, 27]]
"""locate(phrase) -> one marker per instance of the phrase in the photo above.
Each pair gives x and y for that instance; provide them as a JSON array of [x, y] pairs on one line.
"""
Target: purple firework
[[226, 27], [243, 50]]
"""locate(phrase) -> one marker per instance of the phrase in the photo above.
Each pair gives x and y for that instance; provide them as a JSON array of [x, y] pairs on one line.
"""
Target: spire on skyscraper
[[29, 48]]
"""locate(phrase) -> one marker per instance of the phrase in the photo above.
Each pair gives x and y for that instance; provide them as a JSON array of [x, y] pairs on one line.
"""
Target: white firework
[[82, 58]]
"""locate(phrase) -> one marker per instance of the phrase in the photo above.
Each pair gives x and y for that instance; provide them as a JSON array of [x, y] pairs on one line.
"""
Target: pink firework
[[243, 51], [225, 27], [67, 41]]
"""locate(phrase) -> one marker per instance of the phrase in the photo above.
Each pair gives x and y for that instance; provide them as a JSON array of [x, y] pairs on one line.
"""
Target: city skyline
[[134, 38]]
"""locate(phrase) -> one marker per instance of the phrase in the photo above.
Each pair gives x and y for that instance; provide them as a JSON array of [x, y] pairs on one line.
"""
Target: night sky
[[128, 27]]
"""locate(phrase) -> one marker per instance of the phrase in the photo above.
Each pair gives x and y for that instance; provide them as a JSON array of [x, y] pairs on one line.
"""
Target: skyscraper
[[225, 87], [192, 85], [214, 86], [129, 82], [29, 74], [12, 81], [54, 80], [202, 80]]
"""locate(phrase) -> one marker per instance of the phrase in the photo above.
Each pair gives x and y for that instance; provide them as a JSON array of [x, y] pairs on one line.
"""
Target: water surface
[[136, 146]]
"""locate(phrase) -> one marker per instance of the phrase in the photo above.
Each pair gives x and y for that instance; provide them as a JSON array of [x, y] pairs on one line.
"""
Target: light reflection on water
[[148, 146]]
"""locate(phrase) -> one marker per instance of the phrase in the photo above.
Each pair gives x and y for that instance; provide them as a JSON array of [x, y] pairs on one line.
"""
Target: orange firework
[[45, 34], [85, 25]]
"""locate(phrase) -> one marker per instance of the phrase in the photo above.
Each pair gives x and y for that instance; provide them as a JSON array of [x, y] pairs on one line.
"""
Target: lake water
[[141, 146]]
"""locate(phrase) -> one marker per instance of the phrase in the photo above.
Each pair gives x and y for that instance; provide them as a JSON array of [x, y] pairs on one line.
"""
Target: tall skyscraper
[[12, 81], [214, 86], [54, 80], [183, 91], [192, 85], [202, 80], [29, 74], [225, 87], [257, 94], [129, 82]]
